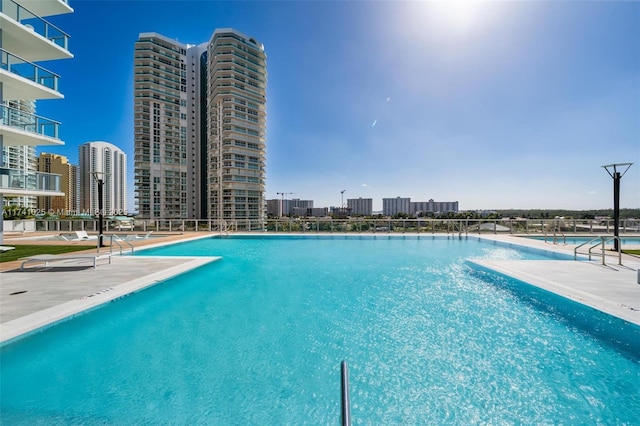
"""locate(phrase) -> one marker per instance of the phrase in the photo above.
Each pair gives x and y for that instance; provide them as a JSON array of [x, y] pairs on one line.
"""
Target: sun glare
[[458, 15]]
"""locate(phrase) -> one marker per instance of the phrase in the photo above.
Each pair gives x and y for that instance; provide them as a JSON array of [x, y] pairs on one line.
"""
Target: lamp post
[[612, 169], [100, 183], [342, 198]]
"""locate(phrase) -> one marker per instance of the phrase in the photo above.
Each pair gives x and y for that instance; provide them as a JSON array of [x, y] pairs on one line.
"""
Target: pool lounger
[[46, 258]]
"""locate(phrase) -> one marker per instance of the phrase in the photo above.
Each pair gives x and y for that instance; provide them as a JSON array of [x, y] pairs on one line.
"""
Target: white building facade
[[102, 161], [27, 39]]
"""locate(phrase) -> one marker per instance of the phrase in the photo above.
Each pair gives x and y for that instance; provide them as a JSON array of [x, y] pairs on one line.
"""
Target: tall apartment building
[[61, 205], [360, 206], [282, 207], [200, 127], [26, 40], [106, 162], [434, 207], [393, 206]]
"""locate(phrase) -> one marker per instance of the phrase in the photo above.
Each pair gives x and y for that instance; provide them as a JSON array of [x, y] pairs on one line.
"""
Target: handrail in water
[[346, 415]]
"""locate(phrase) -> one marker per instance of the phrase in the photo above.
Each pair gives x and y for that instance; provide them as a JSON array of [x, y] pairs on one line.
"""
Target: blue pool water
[[257, 338]]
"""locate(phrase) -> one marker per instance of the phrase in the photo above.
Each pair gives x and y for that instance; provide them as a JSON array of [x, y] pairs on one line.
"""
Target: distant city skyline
[[495, 104]]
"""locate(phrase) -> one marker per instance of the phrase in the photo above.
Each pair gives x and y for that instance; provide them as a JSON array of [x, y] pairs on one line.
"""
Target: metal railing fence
[[540, 227]]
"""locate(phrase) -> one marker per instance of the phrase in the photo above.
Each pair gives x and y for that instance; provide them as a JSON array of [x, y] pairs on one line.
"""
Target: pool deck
[[611, 288], [39, 295]]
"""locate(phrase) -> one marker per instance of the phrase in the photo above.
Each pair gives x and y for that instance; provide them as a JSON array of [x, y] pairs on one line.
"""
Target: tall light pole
[[100, 183], [342, 198], [612, 169]]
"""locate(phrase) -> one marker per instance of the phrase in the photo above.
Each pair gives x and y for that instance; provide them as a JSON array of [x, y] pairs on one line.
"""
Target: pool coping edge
[[20, 327]]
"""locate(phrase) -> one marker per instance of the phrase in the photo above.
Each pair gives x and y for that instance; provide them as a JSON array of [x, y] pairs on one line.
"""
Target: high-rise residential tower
[[27, 39], [108, 163], [360, 206], [200, 128], [61, 205]]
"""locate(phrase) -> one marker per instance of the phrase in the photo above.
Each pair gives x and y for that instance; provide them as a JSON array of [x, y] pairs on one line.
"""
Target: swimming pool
[[257, 338]]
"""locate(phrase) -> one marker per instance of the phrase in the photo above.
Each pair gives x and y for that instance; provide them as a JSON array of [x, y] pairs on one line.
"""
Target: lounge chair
[[47, 258], [83, 236], [6, 248], [137, 237]]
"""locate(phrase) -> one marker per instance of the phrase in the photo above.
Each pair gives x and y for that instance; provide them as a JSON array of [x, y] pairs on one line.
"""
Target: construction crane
[[282, 200]]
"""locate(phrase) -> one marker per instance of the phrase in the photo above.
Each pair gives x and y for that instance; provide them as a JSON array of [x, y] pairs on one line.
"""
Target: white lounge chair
[[47, 258], [83, 236], [6, 248], [137, 237]]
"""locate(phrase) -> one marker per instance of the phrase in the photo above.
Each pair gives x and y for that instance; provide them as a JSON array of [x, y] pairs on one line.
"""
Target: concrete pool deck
[[611, 288], [39, 296]]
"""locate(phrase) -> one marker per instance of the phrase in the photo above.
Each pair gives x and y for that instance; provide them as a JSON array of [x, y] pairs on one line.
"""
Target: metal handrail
[[118, 240], [619, 245], [555, 238], [346, 414], [601, 242], [575, 250]]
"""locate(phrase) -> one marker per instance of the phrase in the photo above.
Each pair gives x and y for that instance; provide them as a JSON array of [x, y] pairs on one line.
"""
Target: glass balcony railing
[[28, 70], [37, 24], [31, 181], [14, 117]]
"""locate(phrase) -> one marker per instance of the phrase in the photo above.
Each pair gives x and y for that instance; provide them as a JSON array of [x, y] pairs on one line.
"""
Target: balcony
[[30, 36], [22, 79], [19, 127], [20, 183], [46, 8]]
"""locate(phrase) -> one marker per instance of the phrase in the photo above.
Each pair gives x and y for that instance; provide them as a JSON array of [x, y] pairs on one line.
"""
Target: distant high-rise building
[[200, 127], [106, 162], [282, 207], [394, 206], [68, 203], [360, 206], [434, 207], [26, 39]]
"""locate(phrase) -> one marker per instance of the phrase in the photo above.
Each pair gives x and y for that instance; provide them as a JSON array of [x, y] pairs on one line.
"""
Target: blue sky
[[493, 104]]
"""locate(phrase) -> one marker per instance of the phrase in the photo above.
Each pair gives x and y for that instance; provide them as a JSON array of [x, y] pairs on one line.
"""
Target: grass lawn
[[635, 252], [30, 250]]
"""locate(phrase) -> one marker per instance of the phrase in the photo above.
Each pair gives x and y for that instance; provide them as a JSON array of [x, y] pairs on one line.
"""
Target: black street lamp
[[612, 169], [100, 182]]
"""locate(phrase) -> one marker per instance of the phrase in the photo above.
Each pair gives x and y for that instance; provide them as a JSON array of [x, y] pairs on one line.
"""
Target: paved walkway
[[610, 288], [39, 296]]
